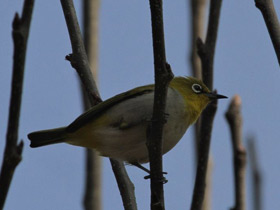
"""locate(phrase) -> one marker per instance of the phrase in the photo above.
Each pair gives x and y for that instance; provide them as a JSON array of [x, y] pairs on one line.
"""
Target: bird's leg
[[138, 165]]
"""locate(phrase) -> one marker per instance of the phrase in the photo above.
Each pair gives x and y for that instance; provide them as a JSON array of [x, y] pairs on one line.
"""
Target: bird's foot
[[162, 180], [138, 165]]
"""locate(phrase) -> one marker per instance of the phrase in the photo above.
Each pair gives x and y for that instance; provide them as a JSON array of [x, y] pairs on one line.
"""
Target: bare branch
[[13, 150], [163, 76], [234, 118], [92, 195], [197, 28], [206, 53], [78, 58], [93, 183], [197, 13], [126, 187], [256, 173], [207, 202], [91, 28], [80, 62], [205, 137], [270, 17]]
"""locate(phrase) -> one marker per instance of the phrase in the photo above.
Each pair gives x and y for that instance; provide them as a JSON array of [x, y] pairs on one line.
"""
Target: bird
[[116, 127]]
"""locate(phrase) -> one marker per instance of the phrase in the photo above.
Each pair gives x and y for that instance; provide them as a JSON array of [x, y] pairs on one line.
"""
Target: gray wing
[[100, 108]]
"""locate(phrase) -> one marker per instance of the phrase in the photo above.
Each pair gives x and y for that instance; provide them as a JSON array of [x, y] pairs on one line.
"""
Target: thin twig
[[205, 137], [80, 62], [93, 184], [163, 76], [206, 53], [256, 175], [126, 187], [197, 29], [13, 150], [234, 118], [270, 17], [93, 193], [197, 13], [78, 58]]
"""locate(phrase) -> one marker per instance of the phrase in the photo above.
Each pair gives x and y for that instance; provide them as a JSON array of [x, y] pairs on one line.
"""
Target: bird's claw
[[162, 180]]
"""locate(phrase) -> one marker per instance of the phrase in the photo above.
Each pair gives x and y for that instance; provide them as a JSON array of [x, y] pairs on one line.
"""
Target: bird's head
[[195, 92]]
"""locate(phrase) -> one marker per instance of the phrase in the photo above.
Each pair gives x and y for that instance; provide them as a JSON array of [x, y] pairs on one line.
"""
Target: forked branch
[[80, 62], [270, 17], [206, 52], [13, 150]]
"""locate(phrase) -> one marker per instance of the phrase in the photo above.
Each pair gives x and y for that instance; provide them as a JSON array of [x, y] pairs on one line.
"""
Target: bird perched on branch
[[116, 128]]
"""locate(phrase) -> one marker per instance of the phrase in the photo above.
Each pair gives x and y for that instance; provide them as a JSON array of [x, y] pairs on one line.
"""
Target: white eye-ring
[[197, 88]]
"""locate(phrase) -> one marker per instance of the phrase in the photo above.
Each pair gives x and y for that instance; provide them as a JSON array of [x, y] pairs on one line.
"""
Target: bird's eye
[[197, 88]]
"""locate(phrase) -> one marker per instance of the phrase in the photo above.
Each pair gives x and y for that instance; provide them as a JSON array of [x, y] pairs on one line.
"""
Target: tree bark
[[206, 52], [79, 61], [234, 118], [163, 76], [93, 164], [256, 175], [197, 13], [270, 17], [13, 150]]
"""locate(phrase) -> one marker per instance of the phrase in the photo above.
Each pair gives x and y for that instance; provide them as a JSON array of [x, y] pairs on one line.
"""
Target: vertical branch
[[234, 118], [197, 25], [257, 175], [206, 205], [270, 17], [206, 53], [13, 150], [79, 61], [163, 76], [198, 9], [92, 194], [197, 28], [91, 27], [205, 137], [206, 50]]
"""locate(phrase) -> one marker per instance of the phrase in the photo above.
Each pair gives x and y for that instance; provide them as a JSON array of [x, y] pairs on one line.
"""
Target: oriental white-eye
[[116, 128]]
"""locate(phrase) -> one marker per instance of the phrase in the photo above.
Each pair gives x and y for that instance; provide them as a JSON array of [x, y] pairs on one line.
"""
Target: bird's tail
[[46, 137]]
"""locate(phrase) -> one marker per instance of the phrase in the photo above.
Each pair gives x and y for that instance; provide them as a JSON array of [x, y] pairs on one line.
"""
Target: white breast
[[125, 137]]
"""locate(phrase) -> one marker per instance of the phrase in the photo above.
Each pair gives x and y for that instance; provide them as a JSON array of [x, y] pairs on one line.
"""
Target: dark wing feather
[[105, 105]]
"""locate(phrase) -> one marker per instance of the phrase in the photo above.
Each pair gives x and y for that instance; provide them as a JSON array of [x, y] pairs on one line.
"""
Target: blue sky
[[245, 64]]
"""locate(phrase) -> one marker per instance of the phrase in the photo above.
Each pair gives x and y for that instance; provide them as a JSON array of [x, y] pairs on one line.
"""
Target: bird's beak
[[214, 96]]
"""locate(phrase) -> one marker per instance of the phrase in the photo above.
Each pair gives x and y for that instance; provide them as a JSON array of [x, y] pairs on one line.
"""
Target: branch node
[[260, 4], [169, 72], [16, 22], [15, 156], [19, 147], [13, 151], [71, 58], [201, 48], [206, 52], [79, 61]]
